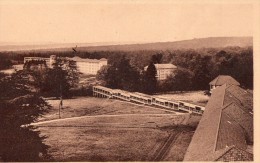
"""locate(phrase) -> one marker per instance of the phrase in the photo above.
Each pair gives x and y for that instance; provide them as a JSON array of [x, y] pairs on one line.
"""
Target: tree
[[20, 106], [157, 58], [4, 63], [243, 69], [120, 75], [180, 80], [58, 80], [201, 71], [110, 77], [237, 64], [150, 80]]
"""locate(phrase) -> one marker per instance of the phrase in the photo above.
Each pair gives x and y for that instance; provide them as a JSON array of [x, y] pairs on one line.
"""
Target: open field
[[196, 97], [136, 137], [112, 130], [86, 106]]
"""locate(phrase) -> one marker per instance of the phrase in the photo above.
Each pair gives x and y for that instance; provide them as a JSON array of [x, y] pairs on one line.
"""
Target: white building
[[89, 66], [49, 61], [85, 66], [163, 70]]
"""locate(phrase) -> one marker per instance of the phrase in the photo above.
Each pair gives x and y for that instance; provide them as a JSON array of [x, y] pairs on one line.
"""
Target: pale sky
[[121, 22]]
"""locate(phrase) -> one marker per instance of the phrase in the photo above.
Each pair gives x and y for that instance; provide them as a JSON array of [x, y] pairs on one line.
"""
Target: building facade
[[85, 66], [89, 66], [49, 61], [163, 70]]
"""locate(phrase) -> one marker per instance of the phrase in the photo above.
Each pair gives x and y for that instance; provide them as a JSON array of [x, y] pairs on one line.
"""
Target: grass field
[[103, 144], [179, 148], [110, 130], [84, 106], [196, 97]]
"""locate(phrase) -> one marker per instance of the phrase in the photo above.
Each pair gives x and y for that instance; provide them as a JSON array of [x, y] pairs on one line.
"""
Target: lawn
[[178, 150], [197, 97], [95, 129], [110, 137], [102, 144], [84, 106]]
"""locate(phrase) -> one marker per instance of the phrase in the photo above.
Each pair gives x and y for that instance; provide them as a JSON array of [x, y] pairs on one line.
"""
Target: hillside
[[210, 42]]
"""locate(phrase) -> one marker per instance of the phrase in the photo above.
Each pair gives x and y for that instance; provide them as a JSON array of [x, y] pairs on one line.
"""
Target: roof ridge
[[215, 144], [217, 79], [224, 107], [225, 85]]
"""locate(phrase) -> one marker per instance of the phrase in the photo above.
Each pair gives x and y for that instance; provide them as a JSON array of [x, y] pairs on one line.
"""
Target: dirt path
[[166, 147], [74, 118]]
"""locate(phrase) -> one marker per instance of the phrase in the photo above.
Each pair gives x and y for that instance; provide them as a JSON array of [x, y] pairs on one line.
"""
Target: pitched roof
[[78, 59], [163, 66], [224, 79], [225, 123], [103, 59], [170, 66]]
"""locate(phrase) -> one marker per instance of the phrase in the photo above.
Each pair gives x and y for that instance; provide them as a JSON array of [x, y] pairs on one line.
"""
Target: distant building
[[221, 80], [49, 61], [225, 131], [85, 66], [163, 70], [89, 66]]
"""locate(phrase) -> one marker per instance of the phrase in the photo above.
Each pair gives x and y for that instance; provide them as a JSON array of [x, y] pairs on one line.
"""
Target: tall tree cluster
[[150, 80], [180, 80], [120, 74], [4, 62], [196, 68], [58, 80], [21, 103], [20, 106]]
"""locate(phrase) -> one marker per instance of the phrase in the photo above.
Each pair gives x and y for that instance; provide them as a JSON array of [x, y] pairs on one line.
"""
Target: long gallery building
[[104, 92]]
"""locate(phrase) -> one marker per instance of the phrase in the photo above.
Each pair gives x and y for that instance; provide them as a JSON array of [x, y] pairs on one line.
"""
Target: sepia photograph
[[128, 81]]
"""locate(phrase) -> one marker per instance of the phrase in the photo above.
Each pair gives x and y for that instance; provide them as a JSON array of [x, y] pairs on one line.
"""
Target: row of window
[[154, 101]]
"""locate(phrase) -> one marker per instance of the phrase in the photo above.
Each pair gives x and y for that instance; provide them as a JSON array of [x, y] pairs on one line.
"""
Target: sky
[[104, 21]]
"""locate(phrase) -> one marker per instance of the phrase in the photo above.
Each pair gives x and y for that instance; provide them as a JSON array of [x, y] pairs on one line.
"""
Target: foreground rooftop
[[226, 128]]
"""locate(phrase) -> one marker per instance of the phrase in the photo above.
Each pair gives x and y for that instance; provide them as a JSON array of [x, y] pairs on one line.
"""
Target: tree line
[[194, 71], [198, 66]]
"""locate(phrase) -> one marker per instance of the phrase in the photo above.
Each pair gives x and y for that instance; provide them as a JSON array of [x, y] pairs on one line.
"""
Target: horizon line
[[10, 43]]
